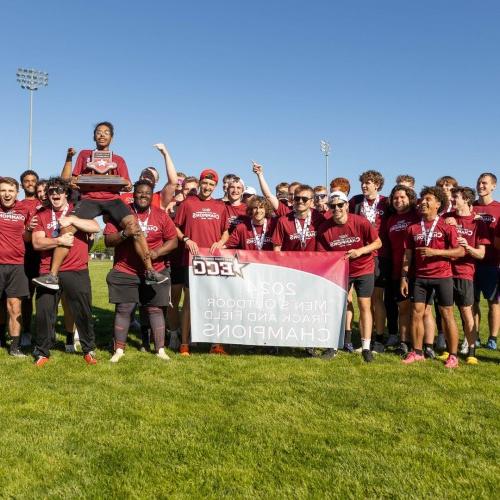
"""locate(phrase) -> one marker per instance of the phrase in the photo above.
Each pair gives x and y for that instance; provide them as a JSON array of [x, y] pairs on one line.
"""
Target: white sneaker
[[25, 339], [70, 348], [175, 340], [117, 355], [162, 354], [392, 341], [465, 347]]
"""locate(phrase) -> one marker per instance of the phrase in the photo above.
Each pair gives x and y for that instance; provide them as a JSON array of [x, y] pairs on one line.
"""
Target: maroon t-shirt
[[243, 238], [159, 228], [283, 209], [286, 235], [444, 237], [33, 204], [357, 232], [78, 255], [84, 157], [235, 214], [394, 230], [475, 232], [489, 215], [13, 222], [203, 221]]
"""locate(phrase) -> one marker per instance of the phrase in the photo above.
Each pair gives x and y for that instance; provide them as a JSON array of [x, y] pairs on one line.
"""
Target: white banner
[[294, 299]]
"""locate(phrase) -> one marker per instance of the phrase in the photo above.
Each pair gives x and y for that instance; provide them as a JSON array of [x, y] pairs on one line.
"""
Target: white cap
[[250, 191], [339, 194]]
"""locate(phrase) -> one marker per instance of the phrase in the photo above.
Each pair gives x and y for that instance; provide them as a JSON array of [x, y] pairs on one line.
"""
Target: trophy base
[[93, 182]]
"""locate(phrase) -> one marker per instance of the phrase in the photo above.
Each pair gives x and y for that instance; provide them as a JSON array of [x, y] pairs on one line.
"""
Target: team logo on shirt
[[401, 225], [488, 218], [206, 214], [421, 237], [463, 231], [344, 240], [227, 267], [309, 234], [12, 216]]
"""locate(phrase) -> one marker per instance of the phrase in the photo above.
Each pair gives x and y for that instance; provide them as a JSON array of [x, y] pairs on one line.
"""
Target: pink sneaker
[[412, 357], [451, 362]]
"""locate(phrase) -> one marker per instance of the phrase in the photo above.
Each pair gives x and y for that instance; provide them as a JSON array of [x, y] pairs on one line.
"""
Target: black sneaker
[[377, 347], [349, 348], [429, 353], [48, 281], [155, 278], [329, 354], [17, 353], [402, 349], [367, 355], [311, 351]]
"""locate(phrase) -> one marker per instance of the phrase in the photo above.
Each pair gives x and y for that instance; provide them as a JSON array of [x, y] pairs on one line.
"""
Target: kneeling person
[[126, 282], [74, 275]]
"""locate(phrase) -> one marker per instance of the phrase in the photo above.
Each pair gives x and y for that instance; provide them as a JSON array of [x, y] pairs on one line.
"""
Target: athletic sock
[[14, 346], [428, 346], [491, 337], [472, 351], [365, 344], [379, 337], [453, 354], [69, 338], [347, 337], [419, 352]]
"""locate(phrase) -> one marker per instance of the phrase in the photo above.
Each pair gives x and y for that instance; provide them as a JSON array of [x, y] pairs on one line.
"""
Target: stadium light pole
[[31, 79], [325, 149]]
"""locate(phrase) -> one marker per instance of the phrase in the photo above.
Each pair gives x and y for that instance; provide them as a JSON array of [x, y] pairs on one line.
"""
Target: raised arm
[[168, 191], [264, 186]]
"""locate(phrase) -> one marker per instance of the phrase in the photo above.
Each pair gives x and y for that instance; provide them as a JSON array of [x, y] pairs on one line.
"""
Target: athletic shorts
[[90, 209], [186, 276], [13, 281], [177, 275], [486, 283], [421, 290], [463, 292], [383, 268], [363, 285], [130, 288]]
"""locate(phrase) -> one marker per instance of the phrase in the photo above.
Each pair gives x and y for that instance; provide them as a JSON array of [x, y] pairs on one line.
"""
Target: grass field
[[246, 425]]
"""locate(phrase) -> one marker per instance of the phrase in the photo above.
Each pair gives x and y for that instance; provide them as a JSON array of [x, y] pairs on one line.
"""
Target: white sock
[[365, 344]]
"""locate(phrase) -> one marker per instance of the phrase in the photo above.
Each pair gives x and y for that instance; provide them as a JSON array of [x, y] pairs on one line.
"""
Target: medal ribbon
[[55, 223], [143, 224], [302, 231], [259, 240], [428, 235], [370, 211]]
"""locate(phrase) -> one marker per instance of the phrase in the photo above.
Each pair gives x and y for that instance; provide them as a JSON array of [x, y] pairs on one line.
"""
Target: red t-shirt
[[283, 209], [78, 255], [13, 222], [203, 221], [394, 233], [444, 237], [128, 198], [159, 228], [357, 232], [84, 157], [235, 214], [475, 232], [489, 215], [243, 238], [33, 204], [286, 235]]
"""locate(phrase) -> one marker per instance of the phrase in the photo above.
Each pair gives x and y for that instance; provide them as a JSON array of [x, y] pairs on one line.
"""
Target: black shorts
[[383, 268], [13, 281], [486, 282], [186, 276], [177, 274], [363, 285], [463, 292], [422, 289], [90, 209], [129, 288], [31, 262]]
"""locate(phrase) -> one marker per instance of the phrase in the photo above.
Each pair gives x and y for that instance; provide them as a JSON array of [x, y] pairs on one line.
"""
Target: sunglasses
[[320, 196], [56, 190], [340, 206], [301, 199]]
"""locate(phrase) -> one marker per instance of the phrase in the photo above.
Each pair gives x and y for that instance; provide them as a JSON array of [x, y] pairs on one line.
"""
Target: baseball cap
[[250, 191], [209, 172], [339, 194]]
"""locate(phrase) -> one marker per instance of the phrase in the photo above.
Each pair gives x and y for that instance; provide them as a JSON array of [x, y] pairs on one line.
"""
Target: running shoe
[[348, 348], [41, 360], [17, 353], [465, 347], [429, 353], [441, 342], [47, 281], [117, 356], [392, 341], [90, 358], [444, 356], [478, 342], [70, 348], [311, 351], [154, 277], [184, 350], [402, 349], [491, 344], [471, 360], [412, 358], [367, 355], [329, 353], [451, 362], [162, 354], [218, 349], [377, 347]]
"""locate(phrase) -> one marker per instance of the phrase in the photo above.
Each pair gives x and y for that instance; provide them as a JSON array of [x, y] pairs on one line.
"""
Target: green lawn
[[245, 425]]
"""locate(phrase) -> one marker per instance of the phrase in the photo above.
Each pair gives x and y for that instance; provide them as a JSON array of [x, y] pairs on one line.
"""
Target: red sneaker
[[413, 357], [184, 350], [90, 358], [451, 362], [41, 360], [218, 349]]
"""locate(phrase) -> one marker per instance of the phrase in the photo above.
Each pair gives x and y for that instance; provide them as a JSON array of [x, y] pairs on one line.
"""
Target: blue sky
[[397, 86]]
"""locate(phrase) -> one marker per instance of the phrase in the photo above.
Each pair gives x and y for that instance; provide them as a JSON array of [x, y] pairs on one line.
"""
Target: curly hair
[[340, 184], [468, 194], [437, 192], [412, 197], [374, 176], [259, 201]]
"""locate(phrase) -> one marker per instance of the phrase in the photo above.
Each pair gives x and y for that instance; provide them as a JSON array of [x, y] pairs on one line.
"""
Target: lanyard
[[370, 211], [55, 223], [302, 231], [428, 235], [259, 240], [143, 224]]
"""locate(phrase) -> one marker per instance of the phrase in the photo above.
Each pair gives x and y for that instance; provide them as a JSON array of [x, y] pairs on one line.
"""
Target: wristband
[[185, 239]]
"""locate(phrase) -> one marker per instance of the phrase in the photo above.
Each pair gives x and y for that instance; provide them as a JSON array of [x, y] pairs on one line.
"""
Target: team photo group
[[419, 263]]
